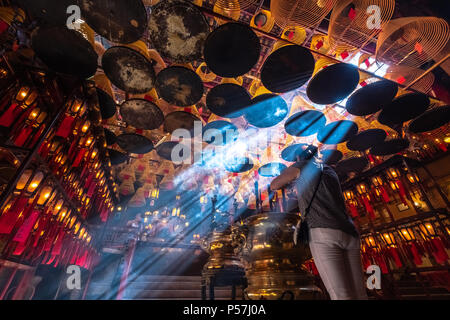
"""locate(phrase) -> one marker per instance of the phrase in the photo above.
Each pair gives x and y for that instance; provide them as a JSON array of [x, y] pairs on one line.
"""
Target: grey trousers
[[338, 260]]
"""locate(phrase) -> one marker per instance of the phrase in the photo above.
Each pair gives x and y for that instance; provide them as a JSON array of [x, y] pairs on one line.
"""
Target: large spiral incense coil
[[305, 13], [412, 41], [235, 5], [355, 23], [405, 75]]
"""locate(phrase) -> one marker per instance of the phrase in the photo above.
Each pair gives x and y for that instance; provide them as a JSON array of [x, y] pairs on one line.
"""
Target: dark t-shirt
[[328, 207]]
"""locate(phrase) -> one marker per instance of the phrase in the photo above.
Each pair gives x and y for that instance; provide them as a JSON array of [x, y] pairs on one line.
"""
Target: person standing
[[332, 237]]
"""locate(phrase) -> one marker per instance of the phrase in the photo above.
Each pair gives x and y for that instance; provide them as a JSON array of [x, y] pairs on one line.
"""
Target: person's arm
[[285, 178]]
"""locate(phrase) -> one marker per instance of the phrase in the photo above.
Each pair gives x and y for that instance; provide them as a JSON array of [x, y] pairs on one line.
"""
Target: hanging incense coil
[[65, 51], [371, 98], [228, 100], [271, 170], [266, 111], [287, 69], [390, 147], [332, 83], [404, 108], [184, 40], [116, 20], [291, 152], [405, 75], [305, 13], [431, 120], [337, 132], [142, 114], [412, 41], [128, 69], [48, 12], [134, 143], [220, 132], [179, 86], [235, 4], [366, 139], [352, 22], [305, 123], [232, 50]]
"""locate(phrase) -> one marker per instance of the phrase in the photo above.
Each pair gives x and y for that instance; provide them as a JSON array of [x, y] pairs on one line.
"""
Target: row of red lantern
[[405, 245], [379, 190], [25, 119], [35, 217], [72, 155]]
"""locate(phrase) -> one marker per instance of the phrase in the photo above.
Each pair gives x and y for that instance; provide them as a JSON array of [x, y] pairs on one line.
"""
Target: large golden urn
[[274, 266], [221, 248]]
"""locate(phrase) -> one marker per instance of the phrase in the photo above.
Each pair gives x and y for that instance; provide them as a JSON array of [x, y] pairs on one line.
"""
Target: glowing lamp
[[26, 96], [89, 238], [412, 178], [393, 185], [46, 195], [35, 181], [77, 106], [58, 206], [393, 173], [407, 234], [88, 142], [370, 242], [23, 180], [82, 231], [388, 238], [203, 199], [349, 195], [77, 227], [427, 229], [62, 214], [361, 188], [85, 126], [377, 181]]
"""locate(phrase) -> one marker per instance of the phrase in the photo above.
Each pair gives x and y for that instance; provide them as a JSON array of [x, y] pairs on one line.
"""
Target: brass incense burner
[[273, 264], [221, 249]]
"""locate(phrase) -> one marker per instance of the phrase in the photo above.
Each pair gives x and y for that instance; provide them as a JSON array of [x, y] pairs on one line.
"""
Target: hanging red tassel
[[384, 195], [23, 136], [41, 227], [353, 210], [65, 128], [22, 234], [401, 192], [381, 262], [8, 219], [416, 255], [56, 250], [394, 254], [79, 157], [439, 253], [368, 207], [37, 136], [10, 115]]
